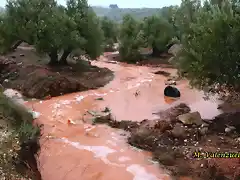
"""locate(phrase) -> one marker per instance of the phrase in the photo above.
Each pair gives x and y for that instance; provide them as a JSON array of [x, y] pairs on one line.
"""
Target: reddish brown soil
[[22, 70], [176, 152]]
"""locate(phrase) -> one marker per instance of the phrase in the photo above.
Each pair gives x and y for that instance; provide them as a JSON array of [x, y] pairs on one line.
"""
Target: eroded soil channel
[[73, 148]]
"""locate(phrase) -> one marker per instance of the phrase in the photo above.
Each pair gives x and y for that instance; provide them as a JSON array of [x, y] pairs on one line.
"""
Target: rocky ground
[[187, 145], [23, 70]]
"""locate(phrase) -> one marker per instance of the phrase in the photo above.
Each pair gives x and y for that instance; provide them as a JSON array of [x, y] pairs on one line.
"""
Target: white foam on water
[[56, 105], [111, 142], [96, 94], [115, 138], [65, 102], [99, 151], [140, 173], [146, 80], [124, 159], [79, 98], [90, 128]]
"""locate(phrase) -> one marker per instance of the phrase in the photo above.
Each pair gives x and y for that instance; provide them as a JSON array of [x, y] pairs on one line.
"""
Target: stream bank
[[19, 142]]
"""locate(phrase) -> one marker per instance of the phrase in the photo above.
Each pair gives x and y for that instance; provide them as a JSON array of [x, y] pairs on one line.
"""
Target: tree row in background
[[57, 30], [208, 32]]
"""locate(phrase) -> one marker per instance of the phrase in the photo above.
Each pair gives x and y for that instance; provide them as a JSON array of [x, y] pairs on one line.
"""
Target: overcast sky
[[125, 3]]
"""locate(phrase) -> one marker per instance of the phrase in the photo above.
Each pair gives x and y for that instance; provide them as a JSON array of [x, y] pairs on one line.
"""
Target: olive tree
[[131, 39], [53, 29], [157, 32], [110, 30], [210, 53]]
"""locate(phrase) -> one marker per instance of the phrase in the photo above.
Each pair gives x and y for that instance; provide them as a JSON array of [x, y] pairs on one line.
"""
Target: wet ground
[[72, 148]]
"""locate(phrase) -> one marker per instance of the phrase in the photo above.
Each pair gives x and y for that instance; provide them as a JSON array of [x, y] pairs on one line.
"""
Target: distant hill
[[117, 13]]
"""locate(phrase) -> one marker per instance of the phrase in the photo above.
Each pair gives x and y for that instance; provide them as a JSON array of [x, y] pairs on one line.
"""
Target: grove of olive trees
[[208, 32], [210, 53], [52, 29]]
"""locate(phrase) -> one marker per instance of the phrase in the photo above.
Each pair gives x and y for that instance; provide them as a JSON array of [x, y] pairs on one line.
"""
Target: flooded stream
[[82, 151]]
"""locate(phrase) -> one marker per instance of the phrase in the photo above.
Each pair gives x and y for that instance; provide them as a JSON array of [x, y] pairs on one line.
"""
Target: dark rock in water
[[172, 92]]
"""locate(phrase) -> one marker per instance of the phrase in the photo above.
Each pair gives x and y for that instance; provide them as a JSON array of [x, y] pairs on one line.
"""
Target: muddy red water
[[86, 152]]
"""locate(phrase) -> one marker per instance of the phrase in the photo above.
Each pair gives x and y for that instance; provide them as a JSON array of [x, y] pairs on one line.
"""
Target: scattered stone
[[229, 129], [171, 113], [203, 131], [191, 118], [14, 95], [174, 49], [163, 126], [172, 142], [101, 117], [204, 125], [179, 131], [226, 121], [104, 116], [21, 55]]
